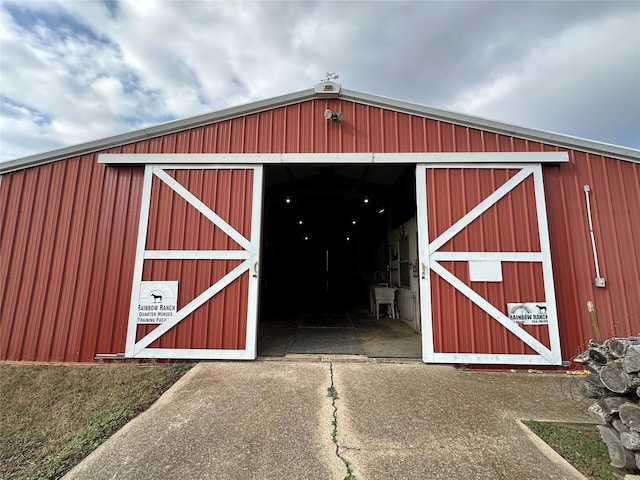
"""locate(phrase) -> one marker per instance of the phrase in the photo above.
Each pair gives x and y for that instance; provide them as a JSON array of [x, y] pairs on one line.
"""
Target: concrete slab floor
[[354, 333], [228, 421], [407, 420]]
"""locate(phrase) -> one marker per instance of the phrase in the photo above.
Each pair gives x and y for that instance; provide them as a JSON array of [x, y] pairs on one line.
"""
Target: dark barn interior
[[325, 230], [325, 234]]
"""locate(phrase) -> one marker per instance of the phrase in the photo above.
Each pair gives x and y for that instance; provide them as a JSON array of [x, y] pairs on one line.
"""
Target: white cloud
[[77, 71], [585, 82]]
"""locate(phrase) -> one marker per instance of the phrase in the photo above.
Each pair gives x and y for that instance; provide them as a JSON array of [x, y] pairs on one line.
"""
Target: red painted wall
[[68, 229], [67, 247]]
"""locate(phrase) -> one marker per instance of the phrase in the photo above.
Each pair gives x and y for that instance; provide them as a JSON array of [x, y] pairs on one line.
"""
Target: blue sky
[[75, 71]]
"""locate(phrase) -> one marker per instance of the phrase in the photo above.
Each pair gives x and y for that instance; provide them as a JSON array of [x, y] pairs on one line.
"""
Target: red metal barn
[[163, 242]]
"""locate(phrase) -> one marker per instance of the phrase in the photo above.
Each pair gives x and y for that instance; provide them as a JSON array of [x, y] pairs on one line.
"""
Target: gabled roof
[[326, 90]]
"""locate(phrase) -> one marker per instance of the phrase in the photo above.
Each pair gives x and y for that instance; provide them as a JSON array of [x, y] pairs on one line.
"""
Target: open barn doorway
[[328, 239]]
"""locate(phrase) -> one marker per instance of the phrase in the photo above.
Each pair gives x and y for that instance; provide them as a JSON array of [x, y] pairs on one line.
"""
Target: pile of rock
[[613, 382]]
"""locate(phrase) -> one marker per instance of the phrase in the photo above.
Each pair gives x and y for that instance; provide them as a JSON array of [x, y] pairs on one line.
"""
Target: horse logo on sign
[[158, 302], [528, 313]]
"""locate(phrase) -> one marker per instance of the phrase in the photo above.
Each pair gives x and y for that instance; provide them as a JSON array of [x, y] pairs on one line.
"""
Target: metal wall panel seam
[[8, 219], [574, 188], [76, 308], [50, 296], [30, 268], [87, 218], [89, 334], [600, 300], [611, 255], [14, 261]]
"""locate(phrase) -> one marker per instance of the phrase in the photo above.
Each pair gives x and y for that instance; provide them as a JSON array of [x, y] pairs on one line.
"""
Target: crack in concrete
[[332, 392]]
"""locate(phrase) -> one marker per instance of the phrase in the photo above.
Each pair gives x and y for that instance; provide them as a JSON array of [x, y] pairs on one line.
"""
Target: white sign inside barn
[[158, 302]]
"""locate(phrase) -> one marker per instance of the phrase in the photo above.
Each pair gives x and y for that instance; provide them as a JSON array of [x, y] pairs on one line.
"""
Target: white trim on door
[[220, 159], [430, 256], [250, 256]]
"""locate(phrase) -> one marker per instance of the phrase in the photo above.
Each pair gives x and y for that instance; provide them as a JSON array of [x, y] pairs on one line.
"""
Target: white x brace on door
[[439, 347], [245, 254]]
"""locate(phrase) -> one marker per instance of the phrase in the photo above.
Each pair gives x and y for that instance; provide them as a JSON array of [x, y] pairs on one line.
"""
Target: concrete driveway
[[274, 420]]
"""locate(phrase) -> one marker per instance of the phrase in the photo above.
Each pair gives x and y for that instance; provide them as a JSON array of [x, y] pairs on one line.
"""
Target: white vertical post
[[139, 261], [547, 269], [251, 342], [423, 263]]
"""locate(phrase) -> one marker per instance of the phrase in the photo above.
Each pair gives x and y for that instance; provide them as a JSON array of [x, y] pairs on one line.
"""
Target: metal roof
[[334, 91]]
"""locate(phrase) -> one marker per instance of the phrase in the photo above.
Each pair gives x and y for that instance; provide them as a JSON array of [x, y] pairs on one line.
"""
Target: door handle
[[255, 270], [424, 271]]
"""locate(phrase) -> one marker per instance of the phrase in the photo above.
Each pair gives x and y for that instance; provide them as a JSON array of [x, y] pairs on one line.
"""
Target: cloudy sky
[[74, 71]]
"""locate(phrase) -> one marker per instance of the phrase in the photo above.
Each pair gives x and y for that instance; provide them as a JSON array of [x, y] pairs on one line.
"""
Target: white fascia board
[[178, 159], [471, 157], [331, 158], [232, 158], [435, 159]]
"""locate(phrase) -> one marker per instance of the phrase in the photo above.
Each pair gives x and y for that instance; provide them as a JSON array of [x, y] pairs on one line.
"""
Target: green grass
[[332, 393], [53, 416], [579, 445]]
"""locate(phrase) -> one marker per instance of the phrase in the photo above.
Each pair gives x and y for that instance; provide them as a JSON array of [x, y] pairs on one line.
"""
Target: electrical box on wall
[[600, 282]]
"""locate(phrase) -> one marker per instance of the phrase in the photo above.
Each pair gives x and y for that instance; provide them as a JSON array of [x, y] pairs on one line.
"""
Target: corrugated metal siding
[[615, 202], [79, 308], [67, 244]]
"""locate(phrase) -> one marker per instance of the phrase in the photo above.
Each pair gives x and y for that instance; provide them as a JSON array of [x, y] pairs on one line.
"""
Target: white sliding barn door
[[486, 284], [196, 279]]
